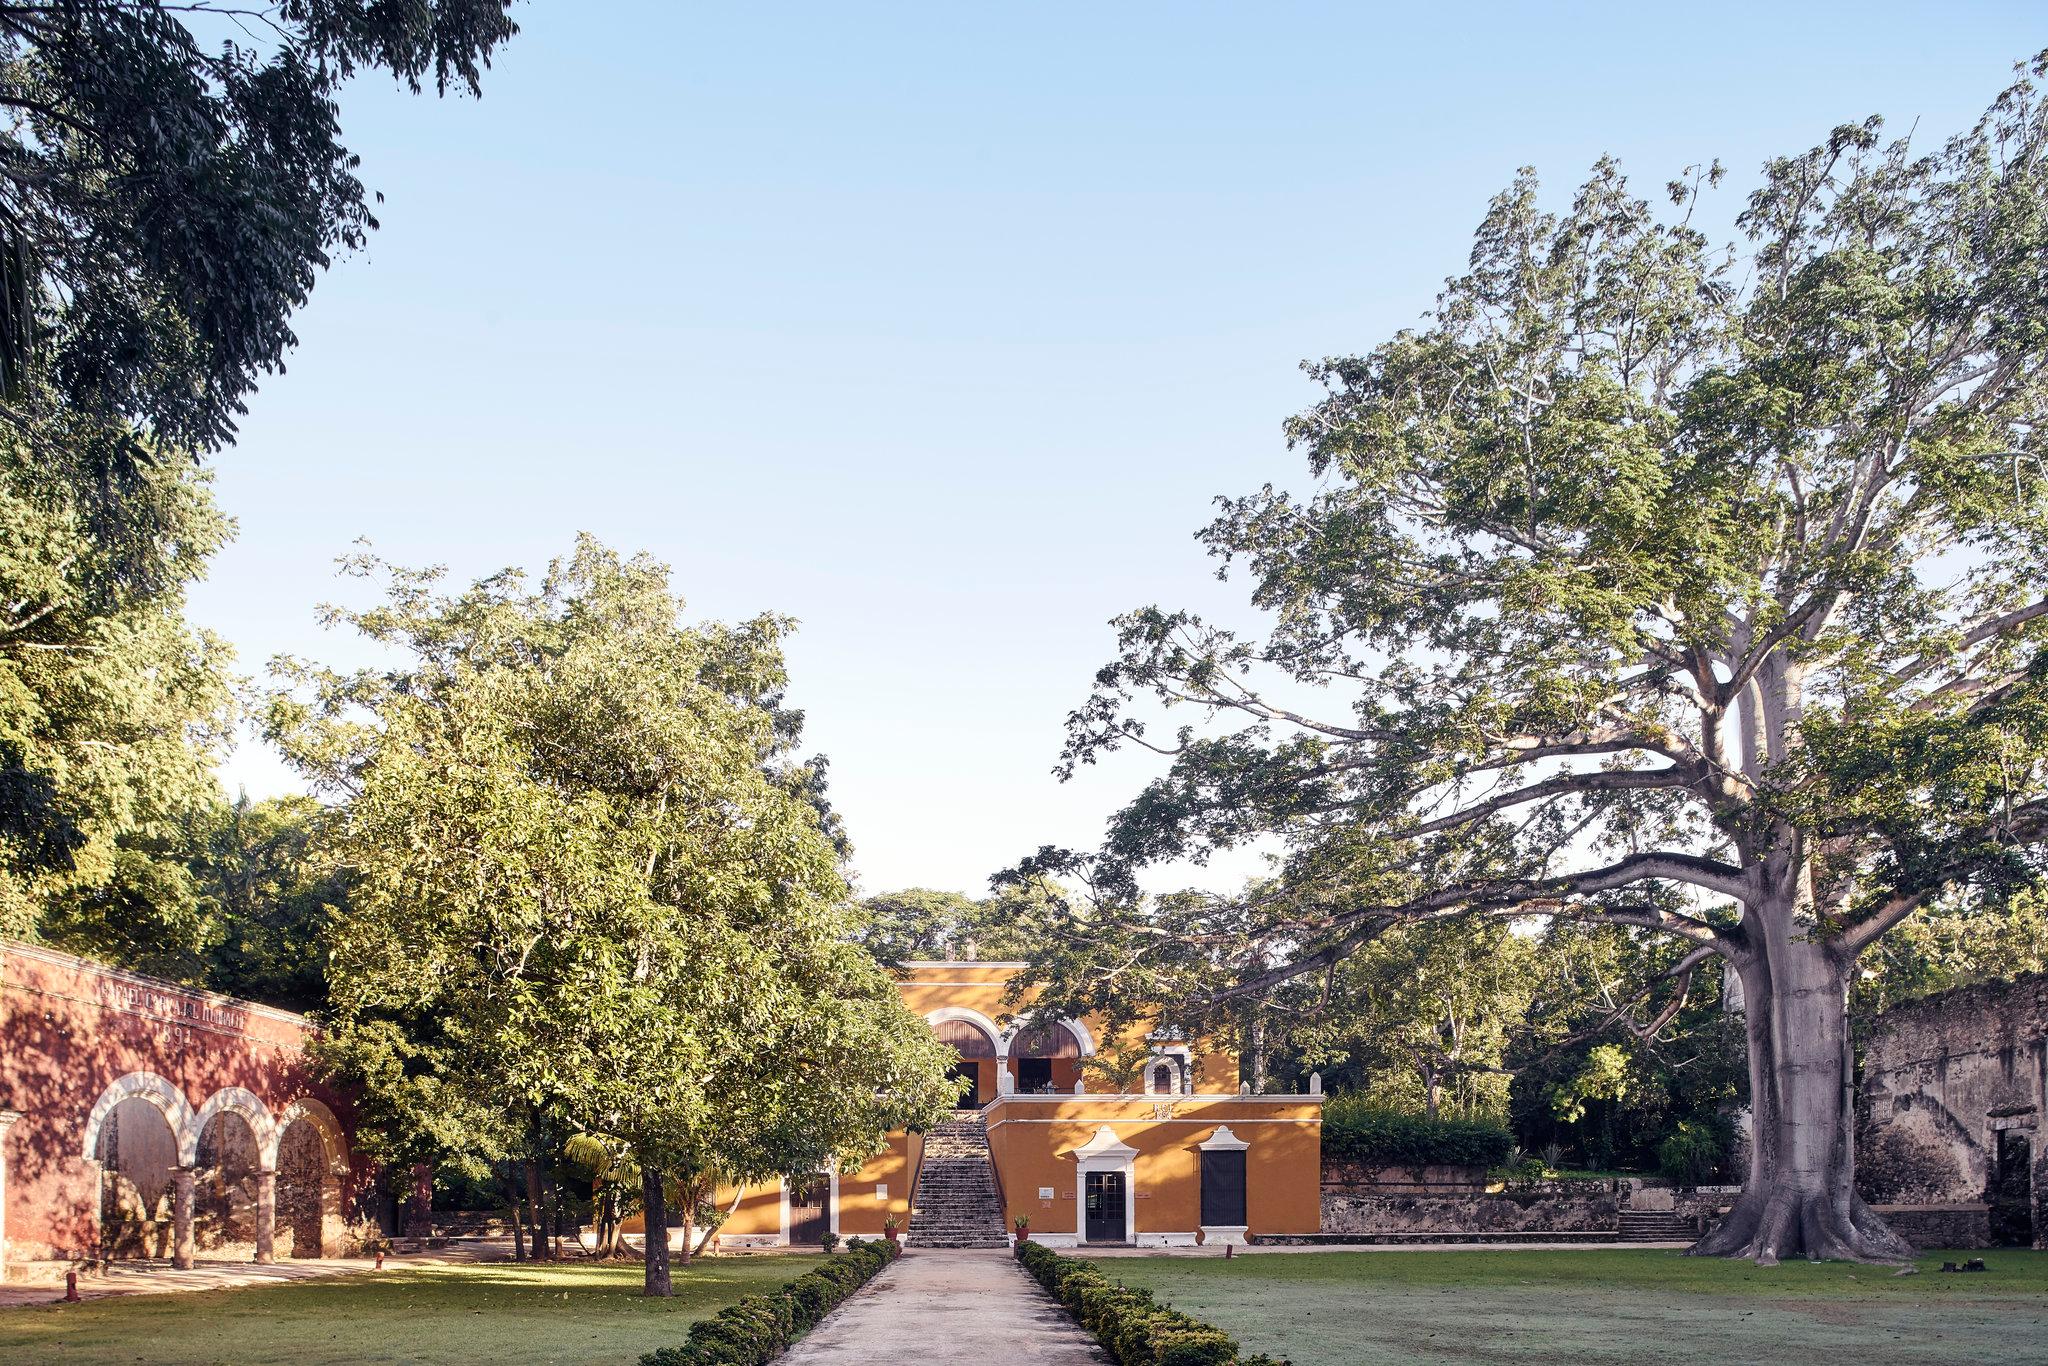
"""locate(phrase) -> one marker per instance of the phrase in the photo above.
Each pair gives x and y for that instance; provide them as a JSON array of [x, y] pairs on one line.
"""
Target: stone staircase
[[957, 1205], [1656, 1226]]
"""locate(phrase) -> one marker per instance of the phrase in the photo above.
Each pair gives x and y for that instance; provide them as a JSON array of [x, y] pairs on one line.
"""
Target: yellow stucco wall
[[983, 987], [1033, 1138]]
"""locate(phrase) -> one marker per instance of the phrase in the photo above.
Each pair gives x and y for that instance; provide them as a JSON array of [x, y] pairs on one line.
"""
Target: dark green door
[[1105, 1222]]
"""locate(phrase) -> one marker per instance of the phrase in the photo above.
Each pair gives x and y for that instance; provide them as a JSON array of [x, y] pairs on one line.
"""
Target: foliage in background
[[270, 896], [112, 709], [1357, 1130]]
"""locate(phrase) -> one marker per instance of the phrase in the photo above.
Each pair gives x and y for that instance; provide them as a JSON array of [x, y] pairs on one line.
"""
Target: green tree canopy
[[172, 181], [590, 885], [112, 709]]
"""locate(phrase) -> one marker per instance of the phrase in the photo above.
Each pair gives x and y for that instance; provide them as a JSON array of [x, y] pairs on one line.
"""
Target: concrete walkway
[[946, 1305]]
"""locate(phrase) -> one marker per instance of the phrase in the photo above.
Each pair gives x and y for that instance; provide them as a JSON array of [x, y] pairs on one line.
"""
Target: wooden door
[[809, 1216], [1105, 1221]]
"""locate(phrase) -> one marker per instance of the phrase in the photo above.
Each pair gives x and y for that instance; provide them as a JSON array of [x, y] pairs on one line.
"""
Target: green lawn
[[1354, 1308], [497, 1313]]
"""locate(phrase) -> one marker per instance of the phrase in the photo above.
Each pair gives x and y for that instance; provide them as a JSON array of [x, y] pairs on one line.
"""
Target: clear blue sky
[[938, 326]]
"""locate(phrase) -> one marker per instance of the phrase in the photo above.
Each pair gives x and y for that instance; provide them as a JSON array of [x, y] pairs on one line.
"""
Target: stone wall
[[1350, 1210], [1428, 1180], [1931, 1226], [1953, 1089]]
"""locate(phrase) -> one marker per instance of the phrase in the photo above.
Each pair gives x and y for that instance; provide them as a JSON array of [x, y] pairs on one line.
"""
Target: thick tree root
[[1776, 1223]]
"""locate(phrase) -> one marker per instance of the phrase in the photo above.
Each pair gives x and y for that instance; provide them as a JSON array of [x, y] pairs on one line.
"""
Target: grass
[[1359, 1308], [497, 1313]]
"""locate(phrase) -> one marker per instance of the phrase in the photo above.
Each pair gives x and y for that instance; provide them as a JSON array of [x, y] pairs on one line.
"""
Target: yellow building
[[1187, 1157]]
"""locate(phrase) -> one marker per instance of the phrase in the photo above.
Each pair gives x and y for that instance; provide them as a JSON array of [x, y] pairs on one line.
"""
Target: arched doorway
[[302, 1181], [137, 1151], [225, 1184], [1046, 1059], [976, 1061]]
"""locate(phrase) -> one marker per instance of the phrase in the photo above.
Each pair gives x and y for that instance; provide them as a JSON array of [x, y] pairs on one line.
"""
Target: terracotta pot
[[892, 1234]]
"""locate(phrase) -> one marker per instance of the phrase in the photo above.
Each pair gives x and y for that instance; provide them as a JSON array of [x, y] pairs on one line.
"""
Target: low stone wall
[[1928, 1226], [1429, 1180], [1534, 1207], [1517, 1211]]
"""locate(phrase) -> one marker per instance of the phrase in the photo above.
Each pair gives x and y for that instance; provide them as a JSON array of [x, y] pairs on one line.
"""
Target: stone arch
[[233, 1100], [324, 1123], [309, 1155], [948, 1014], [1083, 1040], [228, 1179], [146, 1086], [135, 1153]]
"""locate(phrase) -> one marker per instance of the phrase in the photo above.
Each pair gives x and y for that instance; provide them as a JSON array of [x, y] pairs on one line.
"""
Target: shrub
[[1136, 1329], [1354, 1130], [1695, 1152], [757, 1328]]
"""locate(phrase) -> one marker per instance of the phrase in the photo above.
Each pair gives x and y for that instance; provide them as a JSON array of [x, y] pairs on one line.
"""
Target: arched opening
[[302, 1194], [225, 1178], [1047, 1059], [975, 1063], [1165, 1077], [137, 1152]]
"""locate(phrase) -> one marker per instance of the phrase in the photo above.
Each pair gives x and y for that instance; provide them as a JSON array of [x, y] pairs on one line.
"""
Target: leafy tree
[[581, 856], [172, 180], [270, 899], [112, 709], [1427, 1012], [1693, 591], [919, 923], [1957, 942]]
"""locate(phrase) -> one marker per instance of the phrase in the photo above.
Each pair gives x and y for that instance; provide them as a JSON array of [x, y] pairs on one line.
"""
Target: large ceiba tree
[[1694, 591]]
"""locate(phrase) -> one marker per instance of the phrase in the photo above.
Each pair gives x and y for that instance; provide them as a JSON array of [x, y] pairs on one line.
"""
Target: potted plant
[[892, 1227], [1023, 1228], [829, 1241]]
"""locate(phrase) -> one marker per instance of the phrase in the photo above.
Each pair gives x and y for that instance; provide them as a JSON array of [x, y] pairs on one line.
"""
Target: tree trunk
[[535, 1220], [512, 1210], [1800, 1199], [657, 1281]]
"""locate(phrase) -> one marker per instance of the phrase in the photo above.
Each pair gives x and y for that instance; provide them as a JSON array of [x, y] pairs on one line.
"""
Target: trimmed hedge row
[[1137, 1330], [1354, 1131], [759, 1327]]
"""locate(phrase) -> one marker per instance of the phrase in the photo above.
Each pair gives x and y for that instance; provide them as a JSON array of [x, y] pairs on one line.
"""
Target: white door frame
[[1105, 1152], [831, 1203]]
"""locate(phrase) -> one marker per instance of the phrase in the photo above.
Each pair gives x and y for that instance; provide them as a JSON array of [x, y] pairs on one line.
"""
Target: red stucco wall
[[70, 1029]]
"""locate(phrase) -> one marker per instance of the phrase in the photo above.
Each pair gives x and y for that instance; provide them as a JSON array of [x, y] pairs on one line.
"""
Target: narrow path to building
[[948, 1305]]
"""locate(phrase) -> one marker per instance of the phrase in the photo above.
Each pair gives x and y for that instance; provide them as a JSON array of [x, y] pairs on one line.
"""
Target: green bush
[[1354, 1130], [1695, 1152], [757, 1328], [1137, 1330]]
